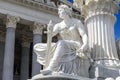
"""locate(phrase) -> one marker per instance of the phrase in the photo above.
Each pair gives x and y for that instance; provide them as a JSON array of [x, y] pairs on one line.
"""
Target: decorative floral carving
[[37, 28], [98, 6], [11, 21]]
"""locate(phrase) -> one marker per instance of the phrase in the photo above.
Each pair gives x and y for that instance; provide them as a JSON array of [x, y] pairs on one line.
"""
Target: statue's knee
[[118, 78], [61, 43]]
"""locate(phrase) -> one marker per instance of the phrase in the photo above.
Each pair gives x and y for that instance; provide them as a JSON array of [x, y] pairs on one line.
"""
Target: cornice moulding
[[35, 5]]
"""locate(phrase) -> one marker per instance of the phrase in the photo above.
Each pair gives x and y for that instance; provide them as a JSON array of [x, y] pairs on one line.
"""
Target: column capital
[[37, 28], [92, 7], [11, 21], [25, 41], [26, 44]]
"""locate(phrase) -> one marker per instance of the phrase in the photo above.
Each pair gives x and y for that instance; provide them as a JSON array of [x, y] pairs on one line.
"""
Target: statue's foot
[[45, 72]]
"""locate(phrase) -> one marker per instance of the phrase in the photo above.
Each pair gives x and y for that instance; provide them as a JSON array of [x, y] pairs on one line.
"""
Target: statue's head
[[64, 10]]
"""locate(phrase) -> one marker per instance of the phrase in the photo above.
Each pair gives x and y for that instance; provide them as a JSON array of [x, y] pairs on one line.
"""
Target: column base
[[101, 72]]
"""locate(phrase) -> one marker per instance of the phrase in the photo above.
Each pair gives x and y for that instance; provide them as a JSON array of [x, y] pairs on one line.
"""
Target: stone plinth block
[[104, 72]]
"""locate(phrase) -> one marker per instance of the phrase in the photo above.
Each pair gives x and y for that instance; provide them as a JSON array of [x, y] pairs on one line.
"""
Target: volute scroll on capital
[[11, 21]]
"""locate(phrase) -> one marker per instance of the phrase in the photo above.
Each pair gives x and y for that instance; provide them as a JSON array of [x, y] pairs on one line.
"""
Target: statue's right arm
[[55, 30]]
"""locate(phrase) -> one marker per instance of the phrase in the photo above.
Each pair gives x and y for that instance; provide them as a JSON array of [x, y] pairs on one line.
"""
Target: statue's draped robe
[[68, 60]]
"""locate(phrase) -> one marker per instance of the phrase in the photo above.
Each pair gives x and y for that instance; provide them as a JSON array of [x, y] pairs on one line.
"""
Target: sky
[[117, 24]]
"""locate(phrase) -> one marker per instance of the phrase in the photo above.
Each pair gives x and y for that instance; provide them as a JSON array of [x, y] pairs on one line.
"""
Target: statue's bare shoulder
[[77, 21], [59, 25]]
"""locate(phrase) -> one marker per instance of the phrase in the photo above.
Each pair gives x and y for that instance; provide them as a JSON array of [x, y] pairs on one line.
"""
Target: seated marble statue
[[69, 55]]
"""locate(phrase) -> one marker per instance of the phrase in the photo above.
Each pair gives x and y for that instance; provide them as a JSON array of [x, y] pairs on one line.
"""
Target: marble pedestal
[[59, 76], [102, 72]]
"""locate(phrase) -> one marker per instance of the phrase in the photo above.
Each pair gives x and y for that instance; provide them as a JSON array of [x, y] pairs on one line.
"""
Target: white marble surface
[[118, 78], [100, 23], [68, 54], [109, 79], [56, 76]]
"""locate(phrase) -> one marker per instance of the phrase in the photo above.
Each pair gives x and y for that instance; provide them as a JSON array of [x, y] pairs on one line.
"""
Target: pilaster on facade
[[11, 21]]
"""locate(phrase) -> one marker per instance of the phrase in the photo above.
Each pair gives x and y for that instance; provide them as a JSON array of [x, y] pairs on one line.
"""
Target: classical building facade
[[23, 24]]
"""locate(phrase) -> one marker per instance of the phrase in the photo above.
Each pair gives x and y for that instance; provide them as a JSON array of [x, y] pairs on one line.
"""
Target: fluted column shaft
[[100, 20], [9, 48], [101, 36], [37, 38], [25, 61]]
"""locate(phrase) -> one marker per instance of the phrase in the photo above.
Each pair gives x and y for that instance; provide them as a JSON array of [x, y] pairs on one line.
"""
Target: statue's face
[[61, 12]]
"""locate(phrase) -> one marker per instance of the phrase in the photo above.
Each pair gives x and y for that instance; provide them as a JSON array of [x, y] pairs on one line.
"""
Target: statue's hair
[[67, 9]]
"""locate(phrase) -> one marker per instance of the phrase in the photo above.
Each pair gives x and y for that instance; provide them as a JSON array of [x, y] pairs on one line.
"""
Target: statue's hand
[[83, 48], [81, 52], [50, 26]]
